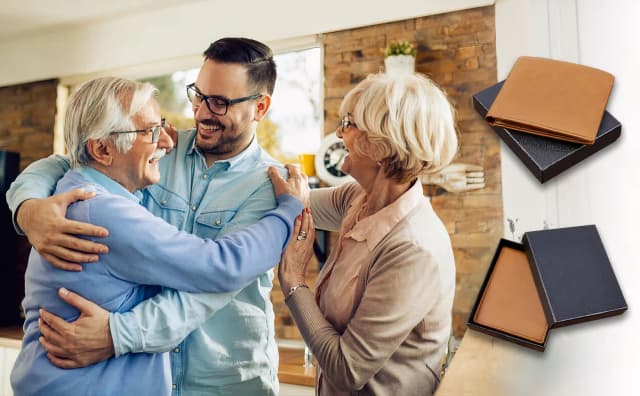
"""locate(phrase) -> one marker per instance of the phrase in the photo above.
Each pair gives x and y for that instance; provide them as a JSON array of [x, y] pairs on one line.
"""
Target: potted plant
[[399, 57]]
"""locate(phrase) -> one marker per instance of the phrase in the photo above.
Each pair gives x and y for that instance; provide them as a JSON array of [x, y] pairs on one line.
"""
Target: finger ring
[[301, 237], [304, 233]]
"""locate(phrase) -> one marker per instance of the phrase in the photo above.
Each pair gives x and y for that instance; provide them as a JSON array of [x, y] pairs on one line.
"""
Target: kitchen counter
[[291, 370], [11, 337]]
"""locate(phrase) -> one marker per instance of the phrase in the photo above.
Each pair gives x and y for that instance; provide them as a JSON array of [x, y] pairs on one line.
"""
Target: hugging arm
[[151, 325], [42, 218]]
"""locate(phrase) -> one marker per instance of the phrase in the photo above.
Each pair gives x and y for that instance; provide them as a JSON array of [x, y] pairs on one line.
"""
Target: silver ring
[[301, 237], [302, 233]]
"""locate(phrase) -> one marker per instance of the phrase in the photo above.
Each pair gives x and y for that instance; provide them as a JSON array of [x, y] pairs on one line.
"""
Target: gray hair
[[99, 107], [409, 124]]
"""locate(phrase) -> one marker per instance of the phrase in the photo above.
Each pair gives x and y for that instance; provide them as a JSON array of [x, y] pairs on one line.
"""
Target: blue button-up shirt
[[226, 340], [128, 275]]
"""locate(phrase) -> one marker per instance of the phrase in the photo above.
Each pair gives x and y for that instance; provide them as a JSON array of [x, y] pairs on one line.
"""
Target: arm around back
[[146, 250], [38, 180], [42, 218], [160, 323]]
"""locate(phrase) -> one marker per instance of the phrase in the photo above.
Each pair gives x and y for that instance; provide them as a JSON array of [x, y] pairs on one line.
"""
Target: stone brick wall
[[27, 117], [457, 51]]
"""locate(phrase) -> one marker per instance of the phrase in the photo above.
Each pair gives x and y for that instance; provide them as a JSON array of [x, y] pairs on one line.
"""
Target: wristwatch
[[293, 290]]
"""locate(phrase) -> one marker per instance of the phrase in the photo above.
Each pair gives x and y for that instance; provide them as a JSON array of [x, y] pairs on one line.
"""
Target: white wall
[[599, 357], [163, 40]]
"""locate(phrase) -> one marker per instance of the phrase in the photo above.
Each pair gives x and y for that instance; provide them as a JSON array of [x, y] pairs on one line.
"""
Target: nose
[[165, 140], [201, 112]]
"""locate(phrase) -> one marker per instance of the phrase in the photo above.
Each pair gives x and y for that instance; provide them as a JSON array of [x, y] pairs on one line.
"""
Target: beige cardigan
[[397, 335]]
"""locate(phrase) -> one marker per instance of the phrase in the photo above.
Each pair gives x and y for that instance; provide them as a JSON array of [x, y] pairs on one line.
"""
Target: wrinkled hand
[[457, 178], [297, 184], [294, 261], [77, 344], [54, 237]]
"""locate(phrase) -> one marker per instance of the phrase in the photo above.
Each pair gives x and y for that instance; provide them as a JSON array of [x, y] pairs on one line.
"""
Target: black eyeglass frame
[[155, 131], [227, 102]]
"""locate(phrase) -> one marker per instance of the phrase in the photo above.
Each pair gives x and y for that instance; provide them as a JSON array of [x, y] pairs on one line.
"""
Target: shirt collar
[[112, 186], [234, 162], [375, 227]]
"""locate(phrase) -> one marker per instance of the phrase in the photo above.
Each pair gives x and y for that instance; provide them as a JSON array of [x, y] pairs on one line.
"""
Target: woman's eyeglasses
[[345, 123]]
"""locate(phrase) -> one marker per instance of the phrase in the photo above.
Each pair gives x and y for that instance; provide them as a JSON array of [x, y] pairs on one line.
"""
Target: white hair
[[409, 124], [98, 108]]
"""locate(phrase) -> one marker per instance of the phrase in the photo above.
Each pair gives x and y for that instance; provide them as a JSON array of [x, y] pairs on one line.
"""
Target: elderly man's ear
[[101, 150]]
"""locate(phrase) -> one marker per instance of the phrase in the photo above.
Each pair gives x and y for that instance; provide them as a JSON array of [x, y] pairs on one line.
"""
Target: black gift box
[[547, 157], [573, 279]]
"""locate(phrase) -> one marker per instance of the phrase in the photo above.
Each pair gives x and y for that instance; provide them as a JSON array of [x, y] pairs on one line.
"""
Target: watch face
[[334, 157]]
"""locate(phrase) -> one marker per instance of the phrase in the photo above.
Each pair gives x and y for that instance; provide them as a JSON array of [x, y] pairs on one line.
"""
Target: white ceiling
[[24, 17]]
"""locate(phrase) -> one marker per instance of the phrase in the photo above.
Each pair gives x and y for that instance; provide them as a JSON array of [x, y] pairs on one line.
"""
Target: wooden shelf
[[11, 337], [292, 370]]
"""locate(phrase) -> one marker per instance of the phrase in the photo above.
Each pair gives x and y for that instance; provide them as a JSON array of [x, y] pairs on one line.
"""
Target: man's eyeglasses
[[345, 123], [155, 131], [218, 105]]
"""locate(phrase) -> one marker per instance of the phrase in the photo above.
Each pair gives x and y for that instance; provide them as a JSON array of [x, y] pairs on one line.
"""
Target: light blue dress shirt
[[144, 251], [219, 345]]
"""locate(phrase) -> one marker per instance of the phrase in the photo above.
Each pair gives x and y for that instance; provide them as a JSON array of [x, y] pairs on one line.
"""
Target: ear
[[262, 106], [101, 151]]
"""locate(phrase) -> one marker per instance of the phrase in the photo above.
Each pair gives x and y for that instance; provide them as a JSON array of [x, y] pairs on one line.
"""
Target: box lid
[[546, 157], [574, 277]]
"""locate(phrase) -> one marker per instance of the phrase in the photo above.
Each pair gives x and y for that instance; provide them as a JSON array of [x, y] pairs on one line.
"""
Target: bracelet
[[293, 290]]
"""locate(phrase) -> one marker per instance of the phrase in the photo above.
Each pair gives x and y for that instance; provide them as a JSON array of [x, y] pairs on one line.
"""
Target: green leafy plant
[[399, 48]]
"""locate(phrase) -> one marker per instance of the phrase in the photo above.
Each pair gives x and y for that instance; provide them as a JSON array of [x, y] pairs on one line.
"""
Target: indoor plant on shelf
[[399, 57]]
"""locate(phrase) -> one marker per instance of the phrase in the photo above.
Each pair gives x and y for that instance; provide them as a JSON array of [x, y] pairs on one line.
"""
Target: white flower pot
[[396, 65]]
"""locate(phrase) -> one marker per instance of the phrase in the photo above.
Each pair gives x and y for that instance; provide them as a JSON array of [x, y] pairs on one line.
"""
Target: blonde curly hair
[[409, 124]]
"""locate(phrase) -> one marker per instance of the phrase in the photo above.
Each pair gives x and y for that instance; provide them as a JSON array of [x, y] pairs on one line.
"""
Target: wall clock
[[329, 160]]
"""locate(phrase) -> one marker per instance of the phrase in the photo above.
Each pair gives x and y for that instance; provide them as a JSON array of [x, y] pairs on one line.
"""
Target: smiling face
[[221, 137], [138, 167], [356, 164]]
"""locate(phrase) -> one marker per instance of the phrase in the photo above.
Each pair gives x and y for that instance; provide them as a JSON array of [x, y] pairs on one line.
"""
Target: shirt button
[[194, 207], [163, 202], [174, 386], [218, 222], [205, 176], [176, 350]]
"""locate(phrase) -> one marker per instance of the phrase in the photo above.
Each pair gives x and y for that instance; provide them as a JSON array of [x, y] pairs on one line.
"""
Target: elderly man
[[115, 140], [214, 182]]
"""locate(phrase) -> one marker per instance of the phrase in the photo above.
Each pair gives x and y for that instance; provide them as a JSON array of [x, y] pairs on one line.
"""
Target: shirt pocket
[[209, 224], [163, 203]]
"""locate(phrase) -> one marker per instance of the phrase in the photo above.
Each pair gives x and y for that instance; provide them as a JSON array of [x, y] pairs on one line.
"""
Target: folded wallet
[[551, 98]]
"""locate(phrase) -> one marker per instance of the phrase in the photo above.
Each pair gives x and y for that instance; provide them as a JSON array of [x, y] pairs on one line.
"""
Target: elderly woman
[[380, 317]]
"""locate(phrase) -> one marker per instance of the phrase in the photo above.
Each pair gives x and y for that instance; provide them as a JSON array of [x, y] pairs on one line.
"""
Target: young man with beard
[[214, 182]]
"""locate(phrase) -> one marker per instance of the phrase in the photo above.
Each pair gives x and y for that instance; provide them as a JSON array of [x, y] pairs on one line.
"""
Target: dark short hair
[[256, 56]]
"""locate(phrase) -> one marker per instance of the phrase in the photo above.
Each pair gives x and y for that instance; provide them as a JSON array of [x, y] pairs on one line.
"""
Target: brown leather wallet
[[551, 98]]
